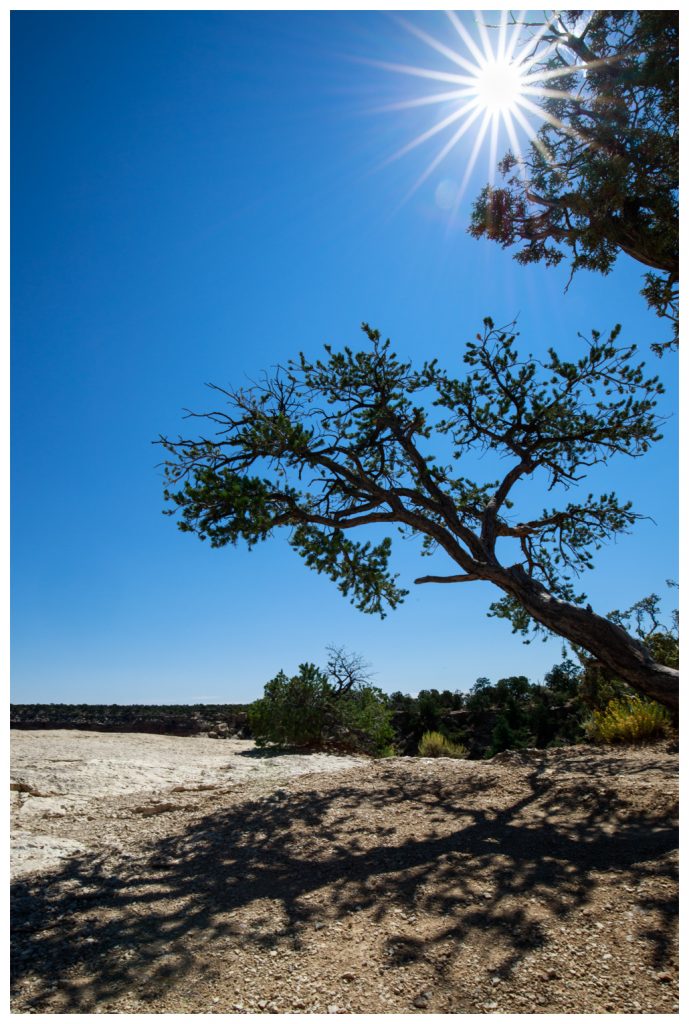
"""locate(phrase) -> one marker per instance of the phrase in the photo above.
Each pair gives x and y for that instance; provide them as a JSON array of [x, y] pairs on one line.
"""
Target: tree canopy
[[602, 174], [329, 446]]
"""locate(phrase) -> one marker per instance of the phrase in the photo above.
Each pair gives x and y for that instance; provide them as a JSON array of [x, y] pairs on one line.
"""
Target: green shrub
[[629, 720], [362, 720], [292, 711], [434, 744], [306, 711]]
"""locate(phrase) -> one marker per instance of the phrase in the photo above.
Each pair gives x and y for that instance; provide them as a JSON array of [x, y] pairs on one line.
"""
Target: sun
[[499, 87], [488, 90]]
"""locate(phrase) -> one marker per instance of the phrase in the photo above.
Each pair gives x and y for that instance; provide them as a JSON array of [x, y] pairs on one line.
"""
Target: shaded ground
[[541, 882]]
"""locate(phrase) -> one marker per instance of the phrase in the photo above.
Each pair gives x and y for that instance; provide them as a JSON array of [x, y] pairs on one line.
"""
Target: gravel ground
[[65, 781], [540, 882]]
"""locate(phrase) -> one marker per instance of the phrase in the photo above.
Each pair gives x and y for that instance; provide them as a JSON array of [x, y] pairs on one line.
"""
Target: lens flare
[[488, 88]]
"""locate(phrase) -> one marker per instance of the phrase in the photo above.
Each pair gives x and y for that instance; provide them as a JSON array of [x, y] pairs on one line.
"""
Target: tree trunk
[[625, 656]]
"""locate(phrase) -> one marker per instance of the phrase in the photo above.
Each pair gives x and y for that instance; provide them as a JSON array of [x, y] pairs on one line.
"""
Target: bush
[[363, 721], [292, 712], [629, 720], [306, 711], [434, 744]]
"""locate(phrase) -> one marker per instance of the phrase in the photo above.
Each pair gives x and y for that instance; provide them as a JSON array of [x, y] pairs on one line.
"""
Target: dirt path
[[541, 883]]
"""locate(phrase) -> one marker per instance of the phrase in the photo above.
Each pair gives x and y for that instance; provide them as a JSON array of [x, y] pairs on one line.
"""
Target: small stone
[[422, 1000], [664, 976]]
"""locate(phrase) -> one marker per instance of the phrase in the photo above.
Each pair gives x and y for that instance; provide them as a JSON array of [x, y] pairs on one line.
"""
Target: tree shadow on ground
[[143, 922], [278, 751], [587, 761], [263, 752]]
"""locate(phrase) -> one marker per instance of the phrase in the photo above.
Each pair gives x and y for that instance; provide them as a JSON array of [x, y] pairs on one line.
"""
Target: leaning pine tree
[[328, 447]]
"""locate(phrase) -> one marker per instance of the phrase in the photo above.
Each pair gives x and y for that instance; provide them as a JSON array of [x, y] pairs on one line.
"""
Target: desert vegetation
[[337, 708], [577, 701], [306, 710], [434, 744], [629, 720]]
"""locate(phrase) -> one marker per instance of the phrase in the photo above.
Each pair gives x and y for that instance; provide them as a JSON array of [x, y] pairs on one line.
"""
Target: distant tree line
[[490, 718], [338, 708], [565, 708]]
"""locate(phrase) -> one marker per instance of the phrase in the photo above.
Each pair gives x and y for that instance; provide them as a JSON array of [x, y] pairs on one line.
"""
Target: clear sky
[[197, 197]]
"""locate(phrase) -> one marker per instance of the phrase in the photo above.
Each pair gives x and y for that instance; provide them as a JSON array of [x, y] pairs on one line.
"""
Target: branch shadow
[[263, 753], [142, 923]]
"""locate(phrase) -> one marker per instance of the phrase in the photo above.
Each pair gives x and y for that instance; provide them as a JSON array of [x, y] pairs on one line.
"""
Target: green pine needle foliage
[[305, 711]]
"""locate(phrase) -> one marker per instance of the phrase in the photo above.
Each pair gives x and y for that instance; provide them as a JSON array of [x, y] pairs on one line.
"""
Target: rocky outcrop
[[216, 721]]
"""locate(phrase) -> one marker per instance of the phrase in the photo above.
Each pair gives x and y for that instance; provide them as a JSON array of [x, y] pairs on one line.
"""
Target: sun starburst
[[491, 90], [499, 86]]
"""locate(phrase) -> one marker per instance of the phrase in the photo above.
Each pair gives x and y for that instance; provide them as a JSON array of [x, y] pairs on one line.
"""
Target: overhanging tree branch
[[602, 174]]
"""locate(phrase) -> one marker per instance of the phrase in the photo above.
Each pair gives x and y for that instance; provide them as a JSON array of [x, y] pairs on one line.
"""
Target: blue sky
[[197, 197]]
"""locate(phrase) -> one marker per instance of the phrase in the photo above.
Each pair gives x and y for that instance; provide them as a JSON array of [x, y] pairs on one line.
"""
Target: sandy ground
[[539, 882]]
